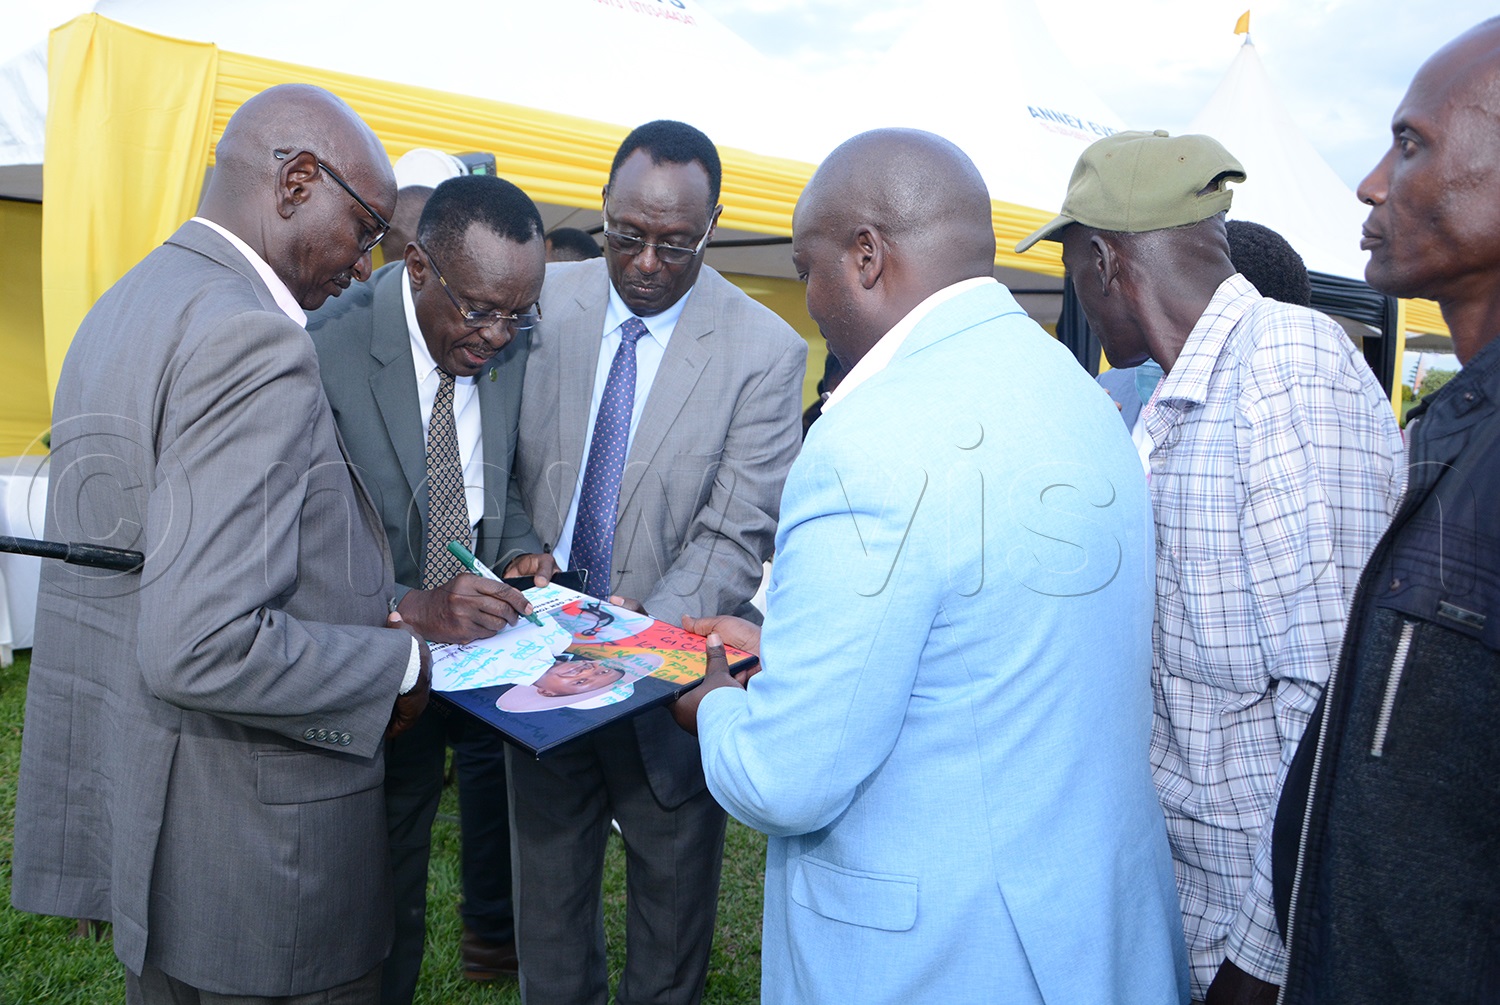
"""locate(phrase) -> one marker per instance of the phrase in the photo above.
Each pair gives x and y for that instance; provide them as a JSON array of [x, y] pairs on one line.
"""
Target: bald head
[[920, 190], [272, 187], [889, 218], [1434, 224], [1470, 64]]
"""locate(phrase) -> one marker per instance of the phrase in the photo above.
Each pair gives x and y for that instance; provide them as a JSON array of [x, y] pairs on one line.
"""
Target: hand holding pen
[[469, 606]]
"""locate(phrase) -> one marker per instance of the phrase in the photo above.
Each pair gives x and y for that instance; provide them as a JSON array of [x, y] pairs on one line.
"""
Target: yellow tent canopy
[[121, 173], [132, 120]]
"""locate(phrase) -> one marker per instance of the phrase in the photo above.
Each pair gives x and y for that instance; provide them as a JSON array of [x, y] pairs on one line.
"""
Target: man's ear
[[1104, 262], [416, 266], [868, 251], [294, 182]]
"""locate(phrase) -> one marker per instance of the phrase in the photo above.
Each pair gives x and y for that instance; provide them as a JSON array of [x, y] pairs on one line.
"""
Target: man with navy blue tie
[[660, 414]]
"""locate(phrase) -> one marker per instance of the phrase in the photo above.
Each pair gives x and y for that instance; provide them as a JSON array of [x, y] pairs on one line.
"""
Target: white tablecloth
[[23, 507]]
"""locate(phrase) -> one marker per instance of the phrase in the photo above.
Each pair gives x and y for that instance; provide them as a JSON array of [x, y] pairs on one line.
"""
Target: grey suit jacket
[[702, 483], [365, 354], [202, 756]]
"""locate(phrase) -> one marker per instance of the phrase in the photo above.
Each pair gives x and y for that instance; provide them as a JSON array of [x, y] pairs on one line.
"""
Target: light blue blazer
[[948, 743]]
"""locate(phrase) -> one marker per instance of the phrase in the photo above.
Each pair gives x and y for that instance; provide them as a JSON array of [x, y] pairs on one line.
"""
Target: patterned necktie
[[447, 511], [594, 530]]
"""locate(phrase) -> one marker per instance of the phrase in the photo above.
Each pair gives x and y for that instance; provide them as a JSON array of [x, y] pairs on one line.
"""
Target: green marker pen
[[483, 571]]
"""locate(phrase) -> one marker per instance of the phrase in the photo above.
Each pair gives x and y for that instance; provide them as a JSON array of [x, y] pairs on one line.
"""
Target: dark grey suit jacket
[[702, 484], [202, 759], [365, 353]]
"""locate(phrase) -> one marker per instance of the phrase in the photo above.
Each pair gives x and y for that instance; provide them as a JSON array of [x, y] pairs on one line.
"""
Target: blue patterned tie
[[594, 530]]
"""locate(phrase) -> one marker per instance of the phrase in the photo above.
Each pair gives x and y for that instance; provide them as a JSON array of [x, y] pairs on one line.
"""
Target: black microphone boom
[[75, 554]]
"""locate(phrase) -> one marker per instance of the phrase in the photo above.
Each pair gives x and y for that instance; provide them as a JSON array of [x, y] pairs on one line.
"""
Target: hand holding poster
[[588, 664]]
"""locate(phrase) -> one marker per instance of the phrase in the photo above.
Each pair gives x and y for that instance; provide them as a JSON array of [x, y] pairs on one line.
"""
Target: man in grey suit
[[202, 756], [659, 419], [456, 312]]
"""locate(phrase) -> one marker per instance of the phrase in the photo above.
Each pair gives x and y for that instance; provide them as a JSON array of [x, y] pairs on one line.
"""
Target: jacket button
[[322, 734], [345, 740], [311, 734], [1395, 585]]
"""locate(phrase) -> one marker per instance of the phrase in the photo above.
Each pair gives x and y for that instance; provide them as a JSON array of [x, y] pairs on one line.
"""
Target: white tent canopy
[[619, 61], [997, 85], [991, 78], [1290, 188]]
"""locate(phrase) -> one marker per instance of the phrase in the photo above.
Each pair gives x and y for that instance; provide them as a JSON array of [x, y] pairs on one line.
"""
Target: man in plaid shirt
[[1274, 465]]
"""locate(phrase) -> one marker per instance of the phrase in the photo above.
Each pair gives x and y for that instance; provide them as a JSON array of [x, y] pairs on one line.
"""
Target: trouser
[[413, 789], [560, 813], [153, 987]]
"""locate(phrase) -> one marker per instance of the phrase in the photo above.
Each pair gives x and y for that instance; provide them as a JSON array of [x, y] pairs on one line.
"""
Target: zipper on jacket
[[1392, 682], [1362, 587], [1307, 813]]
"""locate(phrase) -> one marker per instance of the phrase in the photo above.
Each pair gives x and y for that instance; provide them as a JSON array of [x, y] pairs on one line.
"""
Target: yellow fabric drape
[[24, 409], [127, 145]]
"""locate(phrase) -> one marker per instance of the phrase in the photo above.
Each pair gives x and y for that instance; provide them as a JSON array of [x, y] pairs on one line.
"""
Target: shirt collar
[[421, 357], [660, 326], [279, 291], [882, 352], [1189, 377]]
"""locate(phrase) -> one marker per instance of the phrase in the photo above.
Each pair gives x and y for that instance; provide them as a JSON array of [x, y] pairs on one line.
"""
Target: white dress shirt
[[882, 352], [465, 411], [649, 351], [279, 291]]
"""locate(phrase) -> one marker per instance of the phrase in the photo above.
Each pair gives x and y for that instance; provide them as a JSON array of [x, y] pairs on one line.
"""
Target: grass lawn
[[40, 963]]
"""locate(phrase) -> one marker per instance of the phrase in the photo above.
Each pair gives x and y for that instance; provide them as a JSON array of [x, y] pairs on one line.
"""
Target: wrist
[[413, 667]]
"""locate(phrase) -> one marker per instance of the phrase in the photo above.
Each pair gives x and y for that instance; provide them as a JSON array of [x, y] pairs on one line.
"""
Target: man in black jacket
[[1388, 830]]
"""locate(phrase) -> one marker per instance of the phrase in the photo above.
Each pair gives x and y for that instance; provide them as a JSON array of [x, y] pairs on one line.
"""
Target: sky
[[1340, 66]]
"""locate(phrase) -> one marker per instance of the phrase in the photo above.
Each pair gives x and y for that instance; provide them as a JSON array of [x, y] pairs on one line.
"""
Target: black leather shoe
[[487, 961]]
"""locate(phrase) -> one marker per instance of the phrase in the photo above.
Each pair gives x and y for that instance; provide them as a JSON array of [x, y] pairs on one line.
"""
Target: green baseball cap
[[1133, 182]]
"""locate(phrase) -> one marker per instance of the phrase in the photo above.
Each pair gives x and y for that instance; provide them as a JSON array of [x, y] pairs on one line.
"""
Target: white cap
[[425, 166]]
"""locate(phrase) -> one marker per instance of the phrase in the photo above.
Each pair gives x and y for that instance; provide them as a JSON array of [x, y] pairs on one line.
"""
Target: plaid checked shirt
[[1277, 465]]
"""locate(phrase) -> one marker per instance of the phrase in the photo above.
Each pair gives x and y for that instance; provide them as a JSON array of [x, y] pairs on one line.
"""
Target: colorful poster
[[588, 664]]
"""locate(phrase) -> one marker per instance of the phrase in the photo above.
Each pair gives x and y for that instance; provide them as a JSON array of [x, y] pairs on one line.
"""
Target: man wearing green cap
[[1274, 465]]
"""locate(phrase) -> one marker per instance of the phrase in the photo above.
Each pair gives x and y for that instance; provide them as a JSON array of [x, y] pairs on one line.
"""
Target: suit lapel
[[211, 244], [394, 384], [366, 503], [496, 437], [681, 367]]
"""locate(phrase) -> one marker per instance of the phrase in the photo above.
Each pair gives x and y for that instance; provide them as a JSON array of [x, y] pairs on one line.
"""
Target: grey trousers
[[560, 809]]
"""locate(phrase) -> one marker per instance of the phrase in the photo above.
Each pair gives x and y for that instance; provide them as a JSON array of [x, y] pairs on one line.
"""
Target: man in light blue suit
[[948, 741]]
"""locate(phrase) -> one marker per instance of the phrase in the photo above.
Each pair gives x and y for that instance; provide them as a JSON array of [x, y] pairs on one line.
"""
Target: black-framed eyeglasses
[[523, 321], [668, 254], [382, 225]]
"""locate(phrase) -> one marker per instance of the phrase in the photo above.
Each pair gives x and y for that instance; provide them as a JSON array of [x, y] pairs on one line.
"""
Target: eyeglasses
[[669, 254], [520, 322], [382, 225]]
